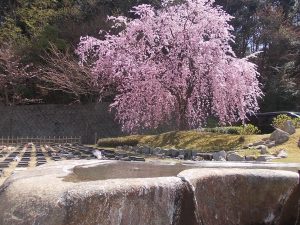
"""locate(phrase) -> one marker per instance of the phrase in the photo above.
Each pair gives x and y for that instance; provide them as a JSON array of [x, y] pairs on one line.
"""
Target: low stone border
[[187, 154]]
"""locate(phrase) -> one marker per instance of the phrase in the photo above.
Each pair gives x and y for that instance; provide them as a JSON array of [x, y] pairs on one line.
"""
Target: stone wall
[[86, 121]]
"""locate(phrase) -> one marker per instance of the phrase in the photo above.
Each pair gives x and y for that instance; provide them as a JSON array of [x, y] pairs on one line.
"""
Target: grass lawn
[[291, 147], [204, 142]]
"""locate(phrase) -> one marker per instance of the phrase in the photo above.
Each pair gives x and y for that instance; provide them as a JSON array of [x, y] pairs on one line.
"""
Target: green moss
[[202, 141]]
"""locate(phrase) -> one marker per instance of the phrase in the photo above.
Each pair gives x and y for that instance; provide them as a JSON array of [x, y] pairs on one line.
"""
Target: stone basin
[[121, 169], [126, 193]]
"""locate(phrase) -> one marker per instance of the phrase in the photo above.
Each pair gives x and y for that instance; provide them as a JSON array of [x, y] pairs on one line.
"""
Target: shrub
[[223, 130], [114, 142], [248, 129], [279, 120], [296, 122]]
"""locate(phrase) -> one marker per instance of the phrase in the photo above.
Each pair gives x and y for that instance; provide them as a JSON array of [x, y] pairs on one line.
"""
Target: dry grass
[[205, 142], [291, 147], [193, 139]]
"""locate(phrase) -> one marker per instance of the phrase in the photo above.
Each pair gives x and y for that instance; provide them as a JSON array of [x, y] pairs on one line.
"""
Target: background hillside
[[33, 28]]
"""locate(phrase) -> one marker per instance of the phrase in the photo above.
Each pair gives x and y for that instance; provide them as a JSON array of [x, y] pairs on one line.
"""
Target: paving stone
[[25, 158], [136, 158], [22, 165], [4, 165]]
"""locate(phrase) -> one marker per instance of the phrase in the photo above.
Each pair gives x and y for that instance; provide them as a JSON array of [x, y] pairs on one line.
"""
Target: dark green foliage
[[32, 26], [279, 121], [270, 26], [223, 130], [247, 129], [114, 142]]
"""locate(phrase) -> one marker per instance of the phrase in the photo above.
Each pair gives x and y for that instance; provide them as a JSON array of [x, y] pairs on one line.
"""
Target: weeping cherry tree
[[173, 62]]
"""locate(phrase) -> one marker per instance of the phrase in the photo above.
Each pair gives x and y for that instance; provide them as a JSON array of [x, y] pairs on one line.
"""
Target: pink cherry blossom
[[174, 62]]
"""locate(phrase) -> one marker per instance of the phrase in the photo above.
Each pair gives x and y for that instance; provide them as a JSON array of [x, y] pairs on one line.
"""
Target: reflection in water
[[119, 169]]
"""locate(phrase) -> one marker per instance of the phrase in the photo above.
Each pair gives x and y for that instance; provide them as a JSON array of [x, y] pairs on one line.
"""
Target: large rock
[[258, 143], [244, 197], [288, 127], [205, 156], [235, 157], [93, 193], [145, 150], [265, 158], [188, 153], [270, 144], [290, 209], [250, 158], [220, 156], [174, 153], [282, 154], [156, 151], [263, 149], [279, 136], [51, 196]]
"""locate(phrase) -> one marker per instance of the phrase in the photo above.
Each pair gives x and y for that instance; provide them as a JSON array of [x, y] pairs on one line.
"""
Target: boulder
[[124, 158], [133, 148], [168, 152], [182, 152], [250, 158], [97, 154], [282, 153], [181, 157], [263, 149], [156, 151], [94, 192], [220, 156], [197, 158], [205, 156], [138, 149], [265, 158], [258, 143], [161, 156], [145, 150], [288, 127], [290, 208], [119, 147], [249, 145], [48, 196], [279, 136], [243, 197], [235, 157], [188, 153], [174, 153], [125, 147], [270, 144]]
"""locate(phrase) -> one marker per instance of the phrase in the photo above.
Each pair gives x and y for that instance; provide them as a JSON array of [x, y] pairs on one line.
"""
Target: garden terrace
[[18, 157]]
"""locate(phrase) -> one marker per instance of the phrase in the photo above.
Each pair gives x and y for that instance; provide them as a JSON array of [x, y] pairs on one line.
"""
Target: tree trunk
[[183, 121], [6, 96]]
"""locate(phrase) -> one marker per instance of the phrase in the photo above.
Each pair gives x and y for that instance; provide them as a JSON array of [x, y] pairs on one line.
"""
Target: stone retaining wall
[[58, 120]]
